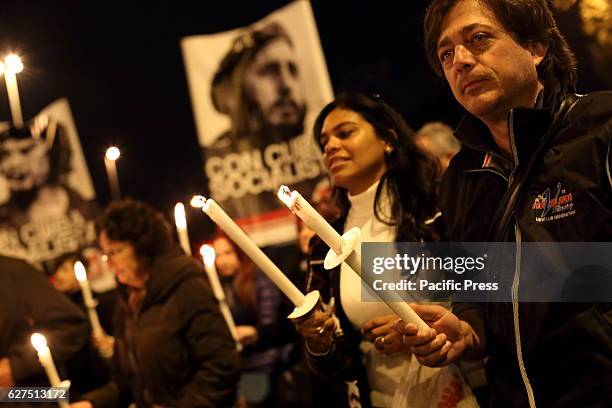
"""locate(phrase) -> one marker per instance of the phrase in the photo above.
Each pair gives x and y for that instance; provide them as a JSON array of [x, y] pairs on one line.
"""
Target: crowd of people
[[166, 344]]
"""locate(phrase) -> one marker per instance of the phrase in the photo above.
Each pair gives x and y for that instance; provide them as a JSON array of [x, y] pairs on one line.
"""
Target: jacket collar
[[526, 127]]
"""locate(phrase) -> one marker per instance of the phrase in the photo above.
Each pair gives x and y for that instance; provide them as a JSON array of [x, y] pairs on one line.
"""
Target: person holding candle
[[28, 303], [526, 137], [89, 368], [65, 281], [172, 345], [385, 185], [259, 311]]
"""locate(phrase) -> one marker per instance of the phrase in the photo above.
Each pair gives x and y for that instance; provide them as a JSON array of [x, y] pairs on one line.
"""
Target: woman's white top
[[384, 371]]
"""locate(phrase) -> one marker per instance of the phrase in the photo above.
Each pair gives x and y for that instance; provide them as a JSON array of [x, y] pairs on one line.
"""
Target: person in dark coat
[[172, 346], [528, 143], [28, 304]]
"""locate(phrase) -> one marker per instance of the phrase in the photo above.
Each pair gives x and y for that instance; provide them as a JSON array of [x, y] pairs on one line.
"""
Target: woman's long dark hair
[[411, 174]]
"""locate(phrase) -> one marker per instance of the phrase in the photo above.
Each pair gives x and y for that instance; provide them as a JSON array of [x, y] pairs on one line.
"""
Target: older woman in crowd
[[172, 346]]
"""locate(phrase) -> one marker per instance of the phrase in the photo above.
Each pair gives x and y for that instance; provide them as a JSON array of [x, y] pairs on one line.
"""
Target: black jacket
[[28, 304], [176, 351], [566, 347]]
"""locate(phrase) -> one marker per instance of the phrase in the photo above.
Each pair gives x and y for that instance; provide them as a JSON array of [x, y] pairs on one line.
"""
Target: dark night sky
[[120, 66]]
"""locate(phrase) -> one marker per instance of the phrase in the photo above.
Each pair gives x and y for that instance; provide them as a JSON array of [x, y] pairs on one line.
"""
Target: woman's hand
[[317, 328], [381, 331], [246, 335], [105, 344]]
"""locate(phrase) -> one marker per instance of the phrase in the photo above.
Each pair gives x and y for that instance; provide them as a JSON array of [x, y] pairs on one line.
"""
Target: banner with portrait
[[47, 199], [255, 93]]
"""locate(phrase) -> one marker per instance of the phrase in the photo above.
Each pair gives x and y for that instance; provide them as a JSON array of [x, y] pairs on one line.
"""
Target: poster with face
[[47, 198], [255, 92]]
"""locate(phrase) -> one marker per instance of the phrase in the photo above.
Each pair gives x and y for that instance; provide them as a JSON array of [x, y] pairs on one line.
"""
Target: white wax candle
[[208, 256], [181, 227], [110, 158], [90, 303], [311, 217], [300, 207], [13, 94], [44, 356], [332, 238], [240, 238]]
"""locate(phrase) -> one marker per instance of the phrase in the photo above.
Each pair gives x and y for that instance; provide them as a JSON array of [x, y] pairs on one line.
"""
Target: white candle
[[332, 238], [44, 356], [300, 207], [90, 303], [181, 227], [240, 238], [311, 217], [111, 156], [12, 66], [208, 256]]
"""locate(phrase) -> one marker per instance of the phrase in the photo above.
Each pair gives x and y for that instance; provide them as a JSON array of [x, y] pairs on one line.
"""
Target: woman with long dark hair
[[385, 185]]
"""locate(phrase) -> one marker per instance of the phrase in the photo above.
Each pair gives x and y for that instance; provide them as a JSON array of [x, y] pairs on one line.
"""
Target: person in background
[[28, 304], [64, 280], [437, 139], [259, 310], [172, 346]]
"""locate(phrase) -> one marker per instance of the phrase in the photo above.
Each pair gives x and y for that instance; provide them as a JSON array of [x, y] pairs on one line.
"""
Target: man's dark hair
[[529, 21], [139, 224]]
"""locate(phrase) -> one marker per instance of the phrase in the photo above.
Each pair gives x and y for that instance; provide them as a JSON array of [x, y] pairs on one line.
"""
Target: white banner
[[47, 198], [255, 93]]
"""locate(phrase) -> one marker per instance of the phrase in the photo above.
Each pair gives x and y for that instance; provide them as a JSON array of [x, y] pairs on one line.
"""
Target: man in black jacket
[[510, 68], [28, 304]]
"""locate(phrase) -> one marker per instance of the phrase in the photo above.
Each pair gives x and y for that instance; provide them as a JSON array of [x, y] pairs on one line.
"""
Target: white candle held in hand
[[44, 356], [346, 251], [11, 67], [181, 227], [208, 256], [240, 238], [110, 159], [90, 302]]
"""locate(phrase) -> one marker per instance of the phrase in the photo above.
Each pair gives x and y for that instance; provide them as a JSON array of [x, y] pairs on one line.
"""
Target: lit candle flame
[[13, 64], [113, 153], [198, 201], [39, 342], [286, 196], [179, 216], [79, 271], [208, 253]]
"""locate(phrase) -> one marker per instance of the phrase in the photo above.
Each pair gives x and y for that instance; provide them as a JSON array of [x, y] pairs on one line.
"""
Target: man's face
[[24, 163], [272, 83], [488, 71]]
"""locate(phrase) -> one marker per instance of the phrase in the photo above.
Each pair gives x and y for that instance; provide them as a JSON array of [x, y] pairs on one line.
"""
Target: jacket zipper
[[517, 277], [515, 315]]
